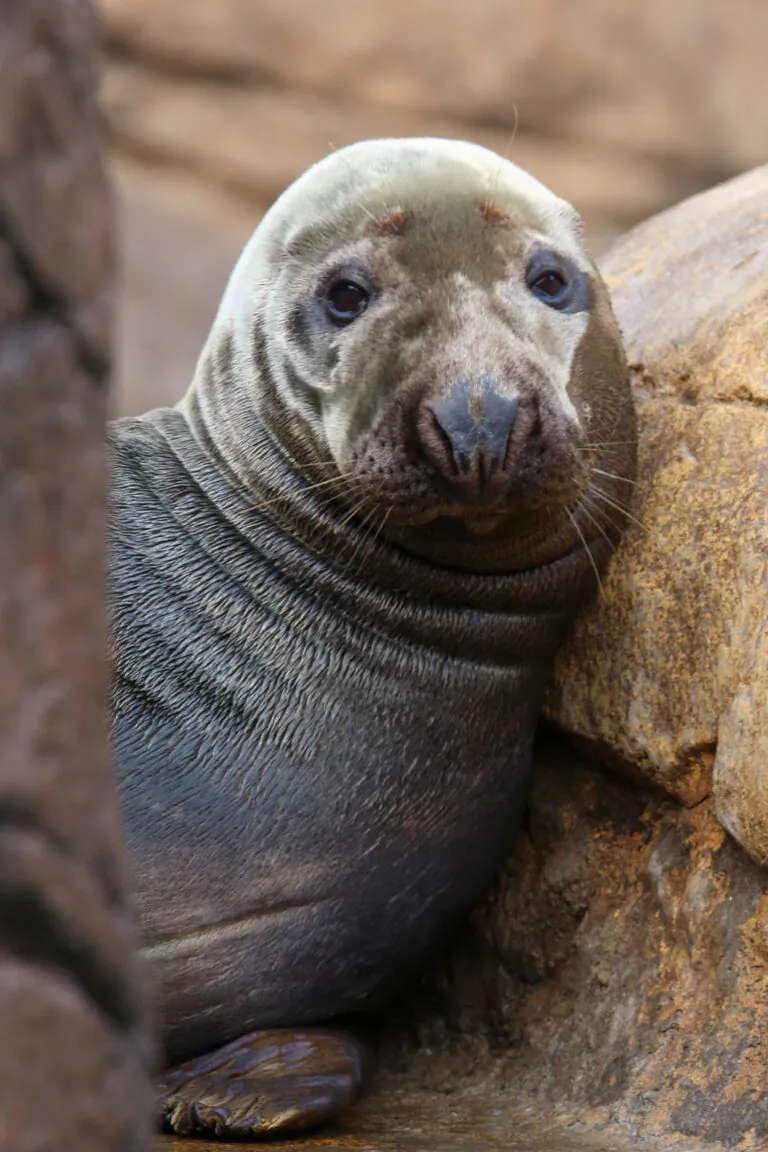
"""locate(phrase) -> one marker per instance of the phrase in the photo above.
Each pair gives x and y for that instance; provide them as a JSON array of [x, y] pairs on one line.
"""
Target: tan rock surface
[[666, 77], [668, 671], [618, 970]]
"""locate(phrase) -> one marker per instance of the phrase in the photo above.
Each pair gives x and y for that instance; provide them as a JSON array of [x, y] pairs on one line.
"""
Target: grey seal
[[340, 570]]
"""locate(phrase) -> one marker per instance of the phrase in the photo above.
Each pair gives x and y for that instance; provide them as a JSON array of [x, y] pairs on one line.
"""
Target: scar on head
[[393, 224], [495, 215]]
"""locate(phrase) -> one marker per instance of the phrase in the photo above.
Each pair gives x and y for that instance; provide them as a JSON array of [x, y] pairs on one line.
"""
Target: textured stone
[[50, 159], [667, 673], [73, 1052], [618, 970]]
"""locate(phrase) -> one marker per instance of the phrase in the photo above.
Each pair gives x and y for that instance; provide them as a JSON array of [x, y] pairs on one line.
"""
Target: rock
[[667, 673], [660, 78], [74, 1052], [54, 172], [617, 972]]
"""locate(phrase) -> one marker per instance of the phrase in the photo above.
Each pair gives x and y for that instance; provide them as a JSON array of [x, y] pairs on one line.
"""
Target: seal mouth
[[483, 523], [477, 520], [486, 512], [480, 459]]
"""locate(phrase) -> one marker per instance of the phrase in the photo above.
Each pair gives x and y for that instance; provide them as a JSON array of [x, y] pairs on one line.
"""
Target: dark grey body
[[319, 772]]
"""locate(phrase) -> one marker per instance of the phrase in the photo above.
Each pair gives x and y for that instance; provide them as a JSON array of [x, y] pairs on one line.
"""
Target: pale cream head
[[423, 316]]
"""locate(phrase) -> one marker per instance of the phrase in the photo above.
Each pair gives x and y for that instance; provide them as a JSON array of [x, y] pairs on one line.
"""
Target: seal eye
[[345, 301], [551, 287]]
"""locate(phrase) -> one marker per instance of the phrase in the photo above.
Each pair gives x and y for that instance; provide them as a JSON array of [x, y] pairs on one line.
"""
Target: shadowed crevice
[[35, 932], [46, 300]]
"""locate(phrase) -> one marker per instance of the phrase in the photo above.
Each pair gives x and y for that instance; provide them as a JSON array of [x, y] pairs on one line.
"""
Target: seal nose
[[476, 428]]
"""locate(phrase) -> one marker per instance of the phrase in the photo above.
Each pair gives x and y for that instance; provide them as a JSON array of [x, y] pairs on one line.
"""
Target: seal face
[[340, 572], [433, 330]]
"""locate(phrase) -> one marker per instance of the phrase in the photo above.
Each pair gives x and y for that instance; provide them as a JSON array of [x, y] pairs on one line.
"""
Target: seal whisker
[[587, 549], [614, 476], [358, 508], [367, 519], [329, 482], [585, 509], [601, 495], [359, 545], [370, 540], [504, 159], [601, 512], [376, 536]]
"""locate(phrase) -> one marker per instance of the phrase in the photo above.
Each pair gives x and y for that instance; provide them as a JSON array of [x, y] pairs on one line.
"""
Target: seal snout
[[470, 432]]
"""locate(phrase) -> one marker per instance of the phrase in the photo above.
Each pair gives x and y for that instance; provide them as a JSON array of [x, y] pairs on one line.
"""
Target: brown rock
[[668, 672], [637, 933], [73, 1052], [618, 971], [50, 157], [658, 77]]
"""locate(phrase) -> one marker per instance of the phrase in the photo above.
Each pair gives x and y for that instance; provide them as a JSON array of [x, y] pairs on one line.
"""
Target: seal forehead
[[366, 183]]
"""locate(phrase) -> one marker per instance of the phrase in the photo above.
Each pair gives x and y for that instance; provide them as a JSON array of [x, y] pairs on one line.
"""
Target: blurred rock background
[[214, 106]]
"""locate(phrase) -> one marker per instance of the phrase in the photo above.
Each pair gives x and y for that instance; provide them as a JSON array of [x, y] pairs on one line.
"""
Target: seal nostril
[[445, 441], [476, 429]]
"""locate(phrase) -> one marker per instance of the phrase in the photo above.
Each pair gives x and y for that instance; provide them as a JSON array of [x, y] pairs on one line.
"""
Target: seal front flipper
[[281, 1080]]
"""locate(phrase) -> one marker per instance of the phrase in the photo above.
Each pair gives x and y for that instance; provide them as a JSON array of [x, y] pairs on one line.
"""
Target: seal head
[[420, 327]]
